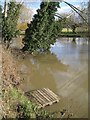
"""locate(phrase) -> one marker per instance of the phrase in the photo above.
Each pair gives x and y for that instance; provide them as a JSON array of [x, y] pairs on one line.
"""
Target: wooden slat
[[42, 97], [38, 98], [33, 99], [50, 96], [53, 94], [47, 95], [45, 102], [49, 101]]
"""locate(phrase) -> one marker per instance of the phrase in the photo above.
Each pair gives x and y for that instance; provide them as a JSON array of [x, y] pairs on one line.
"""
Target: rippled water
[[64, 71]]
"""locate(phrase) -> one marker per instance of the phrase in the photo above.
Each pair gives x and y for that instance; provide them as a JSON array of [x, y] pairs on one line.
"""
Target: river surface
[[64, 71]]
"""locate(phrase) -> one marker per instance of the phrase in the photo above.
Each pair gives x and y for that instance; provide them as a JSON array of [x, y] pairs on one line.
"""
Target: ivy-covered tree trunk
[[73, 27], [41, 32], [0, 22], [9, 21]]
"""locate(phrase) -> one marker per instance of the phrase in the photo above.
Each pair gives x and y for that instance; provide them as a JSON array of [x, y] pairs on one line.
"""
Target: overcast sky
[[35, 4]]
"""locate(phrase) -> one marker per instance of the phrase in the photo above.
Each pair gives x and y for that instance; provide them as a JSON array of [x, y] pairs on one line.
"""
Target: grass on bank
[[70, 34], [22, 26], [18, 106], [80, 32]]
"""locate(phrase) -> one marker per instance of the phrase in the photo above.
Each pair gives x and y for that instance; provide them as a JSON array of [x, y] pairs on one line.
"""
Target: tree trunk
[[8, 45], [89, 18]]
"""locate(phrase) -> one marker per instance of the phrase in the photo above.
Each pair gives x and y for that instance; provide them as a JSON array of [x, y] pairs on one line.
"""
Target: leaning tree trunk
[[8, 45], [89, 17]]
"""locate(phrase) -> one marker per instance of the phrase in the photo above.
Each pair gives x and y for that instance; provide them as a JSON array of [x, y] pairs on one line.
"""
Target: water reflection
[[81, 41], [40, 71], [75, 82], [70, 53]]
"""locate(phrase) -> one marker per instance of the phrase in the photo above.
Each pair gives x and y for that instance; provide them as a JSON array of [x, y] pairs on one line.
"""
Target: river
[[64, 70]]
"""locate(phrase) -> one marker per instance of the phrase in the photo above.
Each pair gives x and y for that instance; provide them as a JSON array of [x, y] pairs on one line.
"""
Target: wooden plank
[[50, 96], [53, 94], [49, 100], [38, 98], [33, 99], [42, 97], [47, 96], [36, 102], [45, 100]]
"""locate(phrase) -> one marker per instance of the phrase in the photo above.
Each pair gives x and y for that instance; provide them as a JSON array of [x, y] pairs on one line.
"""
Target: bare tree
[[25, 15]]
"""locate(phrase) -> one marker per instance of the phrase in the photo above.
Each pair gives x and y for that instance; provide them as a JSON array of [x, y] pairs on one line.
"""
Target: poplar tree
[[41, 32], [0, 20], [9, 21]]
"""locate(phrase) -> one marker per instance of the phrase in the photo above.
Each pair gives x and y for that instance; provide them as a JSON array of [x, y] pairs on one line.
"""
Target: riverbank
[[10, 80], [77, 34], [14, 103], [68, 34]]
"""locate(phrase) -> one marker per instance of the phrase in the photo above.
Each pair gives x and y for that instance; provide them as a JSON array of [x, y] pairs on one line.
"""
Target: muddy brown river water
[[64, 71]]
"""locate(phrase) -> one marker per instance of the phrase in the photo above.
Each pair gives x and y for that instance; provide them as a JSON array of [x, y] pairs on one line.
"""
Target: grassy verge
[[80, 32], [77, 34], [18, 106], [22, 26]]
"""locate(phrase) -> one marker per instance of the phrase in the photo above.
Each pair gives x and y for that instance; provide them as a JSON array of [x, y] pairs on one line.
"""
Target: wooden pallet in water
[[42, 97]]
